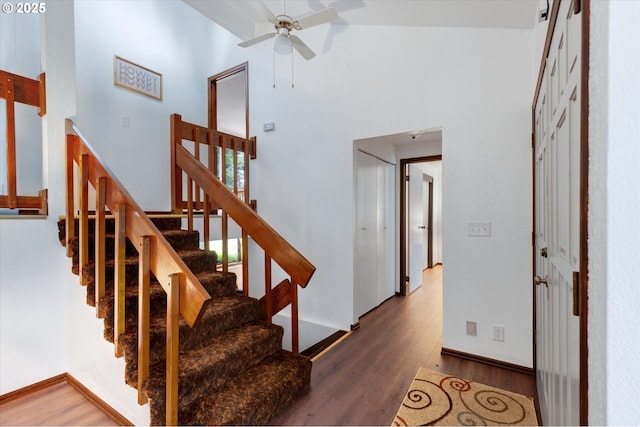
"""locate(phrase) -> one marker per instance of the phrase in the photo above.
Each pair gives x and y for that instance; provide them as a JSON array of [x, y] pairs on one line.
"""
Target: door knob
[[422, 227], [539, 281], [543, 252]]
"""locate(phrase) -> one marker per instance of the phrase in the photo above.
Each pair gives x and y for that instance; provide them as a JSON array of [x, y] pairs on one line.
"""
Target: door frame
[[404, 285], [213, 94], [583, 6]]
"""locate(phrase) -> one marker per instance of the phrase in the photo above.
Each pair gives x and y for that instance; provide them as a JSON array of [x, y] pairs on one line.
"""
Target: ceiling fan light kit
[[285, 41]]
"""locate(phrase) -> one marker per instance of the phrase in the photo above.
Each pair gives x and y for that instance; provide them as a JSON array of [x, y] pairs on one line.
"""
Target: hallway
[[363, 379]]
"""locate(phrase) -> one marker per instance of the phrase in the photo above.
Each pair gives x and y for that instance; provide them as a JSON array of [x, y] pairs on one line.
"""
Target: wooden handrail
[[281, 251], [23, 90], [185, 294], [239, 207], [164, 260]]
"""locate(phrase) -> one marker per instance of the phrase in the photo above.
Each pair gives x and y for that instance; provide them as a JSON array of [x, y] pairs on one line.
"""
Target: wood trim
[[31, 388], [545, 52], [584, 213], [404, 289], [69, 379], [25, 202], [104, 406], [488, 361]]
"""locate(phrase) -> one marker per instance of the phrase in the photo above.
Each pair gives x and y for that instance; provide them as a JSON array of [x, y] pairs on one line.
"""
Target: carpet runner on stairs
[[232, 368]]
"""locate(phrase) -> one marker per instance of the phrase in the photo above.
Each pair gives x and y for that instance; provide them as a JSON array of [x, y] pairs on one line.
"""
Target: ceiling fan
[[284, 25]]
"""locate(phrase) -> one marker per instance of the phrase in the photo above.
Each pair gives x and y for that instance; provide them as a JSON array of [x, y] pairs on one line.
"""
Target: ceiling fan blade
[[302, 48], [256, 40], [266, 12], [322, 17]]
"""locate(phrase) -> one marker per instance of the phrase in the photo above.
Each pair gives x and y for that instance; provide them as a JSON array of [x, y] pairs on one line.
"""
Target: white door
[[366, 286], [557, 225], [417, 228], [386, 231]]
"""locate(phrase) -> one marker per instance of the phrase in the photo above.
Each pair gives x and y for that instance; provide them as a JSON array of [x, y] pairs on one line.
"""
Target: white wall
[[474, 83], [480, 94], [33, 267], [614, 209]]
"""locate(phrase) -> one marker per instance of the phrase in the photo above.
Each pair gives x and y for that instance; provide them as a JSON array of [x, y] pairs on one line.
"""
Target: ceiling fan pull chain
[[274, 68], [292, 70]]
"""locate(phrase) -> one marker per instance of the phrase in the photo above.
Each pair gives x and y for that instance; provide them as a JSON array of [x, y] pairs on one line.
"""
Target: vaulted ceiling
[[245, 19]]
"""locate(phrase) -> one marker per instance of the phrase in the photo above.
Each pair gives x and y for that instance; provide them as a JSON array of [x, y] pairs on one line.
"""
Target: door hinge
[[576, 293], [406, 178]]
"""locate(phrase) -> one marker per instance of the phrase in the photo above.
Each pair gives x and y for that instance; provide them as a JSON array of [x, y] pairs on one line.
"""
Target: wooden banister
[[186, 296], [164, 260], [235, 203], [23, 90], [281, 251]]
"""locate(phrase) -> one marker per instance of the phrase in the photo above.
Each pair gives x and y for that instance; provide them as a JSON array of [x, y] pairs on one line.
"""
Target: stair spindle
[[101, 231], [119, 279], [144, 280]]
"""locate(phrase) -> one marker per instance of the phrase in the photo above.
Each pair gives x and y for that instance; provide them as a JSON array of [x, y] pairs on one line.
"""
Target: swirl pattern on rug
[[439, 399]]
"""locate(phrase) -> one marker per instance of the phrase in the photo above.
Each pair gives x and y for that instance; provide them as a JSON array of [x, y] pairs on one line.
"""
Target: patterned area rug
[[435, 398]]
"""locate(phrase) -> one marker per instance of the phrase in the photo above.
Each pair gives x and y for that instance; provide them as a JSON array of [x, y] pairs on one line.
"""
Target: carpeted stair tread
[[232, 369], [178, 239], [217, 284], [221, 315], [255, 396], [197, 260], [220, 286], [210, 368]]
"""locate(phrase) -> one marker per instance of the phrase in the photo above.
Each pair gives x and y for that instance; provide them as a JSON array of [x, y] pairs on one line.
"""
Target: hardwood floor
[[363, 379], [58, 403]]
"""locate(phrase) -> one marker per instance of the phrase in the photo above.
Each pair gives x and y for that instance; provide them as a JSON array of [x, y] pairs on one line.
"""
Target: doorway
[[229, 113], [420, 219]]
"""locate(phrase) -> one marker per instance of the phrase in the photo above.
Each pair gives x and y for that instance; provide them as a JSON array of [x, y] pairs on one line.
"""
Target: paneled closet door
[[375, 233], [557, 224]]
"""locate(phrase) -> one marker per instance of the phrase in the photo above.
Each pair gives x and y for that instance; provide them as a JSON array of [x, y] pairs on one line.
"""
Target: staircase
[[231, 365]]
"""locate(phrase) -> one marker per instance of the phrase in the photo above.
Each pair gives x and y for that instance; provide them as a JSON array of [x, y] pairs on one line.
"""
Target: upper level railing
[[185, 294], [15, 88], [227, 157], [191, 174]]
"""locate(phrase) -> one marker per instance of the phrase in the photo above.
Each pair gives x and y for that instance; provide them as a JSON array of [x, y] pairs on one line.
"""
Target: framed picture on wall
[[137, 78]]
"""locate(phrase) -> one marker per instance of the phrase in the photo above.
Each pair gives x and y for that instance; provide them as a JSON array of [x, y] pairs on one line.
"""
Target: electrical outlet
[[479, 229], [472, 329], [498, 333]]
